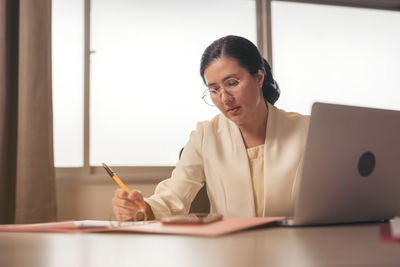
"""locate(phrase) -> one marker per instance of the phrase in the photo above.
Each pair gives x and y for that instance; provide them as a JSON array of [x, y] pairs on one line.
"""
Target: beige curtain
[[27, 185]]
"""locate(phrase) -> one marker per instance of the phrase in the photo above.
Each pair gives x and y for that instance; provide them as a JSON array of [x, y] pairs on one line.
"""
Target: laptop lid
[[351, 168]]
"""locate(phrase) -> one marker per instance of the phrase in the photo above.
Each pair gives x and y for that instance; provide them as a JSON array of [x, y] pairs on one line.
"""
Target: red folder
[[218, 228]]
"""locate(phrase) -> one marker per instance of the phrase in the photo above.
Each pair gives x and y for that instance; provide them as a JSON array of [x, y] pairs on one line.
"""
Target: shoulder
[[286, 126], [213, 131], [219, 122], [290, 119]]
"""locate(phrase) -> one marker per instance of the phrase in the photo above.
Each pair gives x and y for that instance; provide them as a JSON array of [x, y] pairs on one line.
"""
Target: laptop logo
[[366, 164]]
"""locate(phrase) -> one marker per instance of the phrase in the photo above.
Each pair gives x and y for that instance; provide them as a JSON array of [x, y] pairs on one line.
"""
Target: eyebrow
[[223, 80]]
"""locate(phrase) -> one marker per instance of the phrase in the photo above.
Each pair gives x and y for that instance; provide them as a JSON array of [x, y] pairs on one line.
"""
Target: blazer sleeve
[[174, 195]]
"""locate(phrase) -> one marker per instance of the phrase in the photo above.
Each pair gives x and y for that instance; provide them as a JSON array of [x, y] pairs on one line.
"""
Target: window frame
[[153, 174]]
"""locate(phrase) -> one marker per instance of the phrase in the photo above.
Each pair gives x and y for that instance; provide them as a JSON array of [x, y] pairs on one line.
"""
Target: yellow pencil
[[119, 182]]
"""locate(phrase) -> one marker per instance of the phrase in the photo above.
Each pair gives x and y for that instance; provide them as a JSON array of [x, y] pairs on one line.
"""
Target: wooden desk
[[350, 245]]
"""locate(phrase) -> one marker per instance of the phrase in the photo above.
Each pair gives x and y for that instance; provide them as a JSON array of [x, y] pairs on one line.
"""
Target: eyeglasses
[[230, 87]]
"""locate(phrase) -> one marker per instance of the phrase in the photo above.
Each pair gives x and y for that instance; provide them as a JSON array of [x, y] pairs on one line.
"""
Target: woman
[[249, 156]]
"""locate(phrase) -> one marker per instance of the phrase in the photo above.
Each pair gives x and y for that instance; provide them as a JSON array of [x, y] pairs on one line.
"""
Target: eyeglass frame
[[218, 91]]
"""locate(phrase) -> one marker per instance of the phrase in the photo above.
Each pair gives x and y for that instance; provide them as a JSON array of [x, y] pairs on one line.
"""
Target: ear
[[260, 78]]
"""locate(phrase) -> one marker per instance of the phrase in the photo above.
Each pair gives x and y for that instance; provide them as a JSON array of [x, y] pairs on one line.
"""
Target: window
[[335, 54], [143, 69], [145, 83], [145, 87], [68, 81]]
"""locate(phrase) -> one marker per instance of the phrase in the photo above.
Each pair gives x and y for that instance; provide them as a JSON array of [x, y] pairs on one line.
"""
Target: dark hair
[[248, 57]]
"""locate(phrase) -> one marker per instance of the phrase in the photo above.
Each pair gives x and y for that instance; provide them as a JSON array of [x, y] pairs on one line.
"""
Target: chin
[[236, 119]]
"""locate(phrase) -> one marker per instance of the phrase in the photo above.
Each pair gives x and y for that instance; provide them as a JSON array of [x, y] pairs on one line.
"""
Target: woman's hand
[[129, 206]]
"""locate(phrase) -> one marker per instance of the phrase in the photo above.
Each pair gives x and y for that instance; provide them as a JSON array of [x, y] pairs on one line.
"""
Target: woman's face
[[236, 92]]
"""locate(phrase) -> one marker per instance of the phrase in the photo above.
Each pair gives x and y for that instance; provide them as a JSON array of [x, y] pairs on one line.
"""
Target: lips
[[233, 110]]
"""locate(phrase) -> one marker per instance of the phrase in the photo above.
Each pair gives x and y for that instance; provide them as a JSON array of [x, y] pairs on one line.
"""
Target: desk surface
[[348, 245]]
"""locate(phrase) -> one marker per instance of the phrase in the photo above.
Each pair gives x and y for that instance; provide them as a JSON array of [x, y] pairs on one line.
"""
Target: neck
[[254, 132]]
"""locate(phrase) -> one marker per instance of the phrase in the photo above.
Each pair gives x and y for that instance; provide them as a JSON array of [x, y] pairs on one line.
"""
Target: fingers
[[126, 205], [119, 193], [124, 209], [137, 198], [134, 195]]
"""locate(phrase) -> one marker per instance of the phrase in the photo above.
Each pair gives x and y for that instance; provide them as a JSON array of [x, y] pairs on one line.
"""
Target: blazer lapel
[[237, 178], [269, 156], [276, 182]]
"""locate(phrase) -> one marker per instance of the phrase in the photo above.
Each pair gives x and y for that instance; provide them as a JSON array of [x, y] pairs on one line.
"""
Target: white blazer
[[216, 154]]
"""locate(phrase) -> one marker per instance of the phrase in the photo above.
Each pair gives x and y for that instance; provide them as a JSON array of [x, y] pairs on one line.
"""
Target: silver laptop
[[351, 168]]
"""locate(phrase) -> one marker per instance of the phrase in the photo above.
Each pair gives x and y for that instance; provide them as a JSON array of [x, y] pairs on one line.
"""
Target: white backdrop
[[335, 54]]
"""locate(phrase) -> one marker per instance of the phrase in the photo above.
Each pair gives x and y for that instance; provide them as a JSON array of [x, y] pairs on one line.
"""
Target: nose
[[226, 97]]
